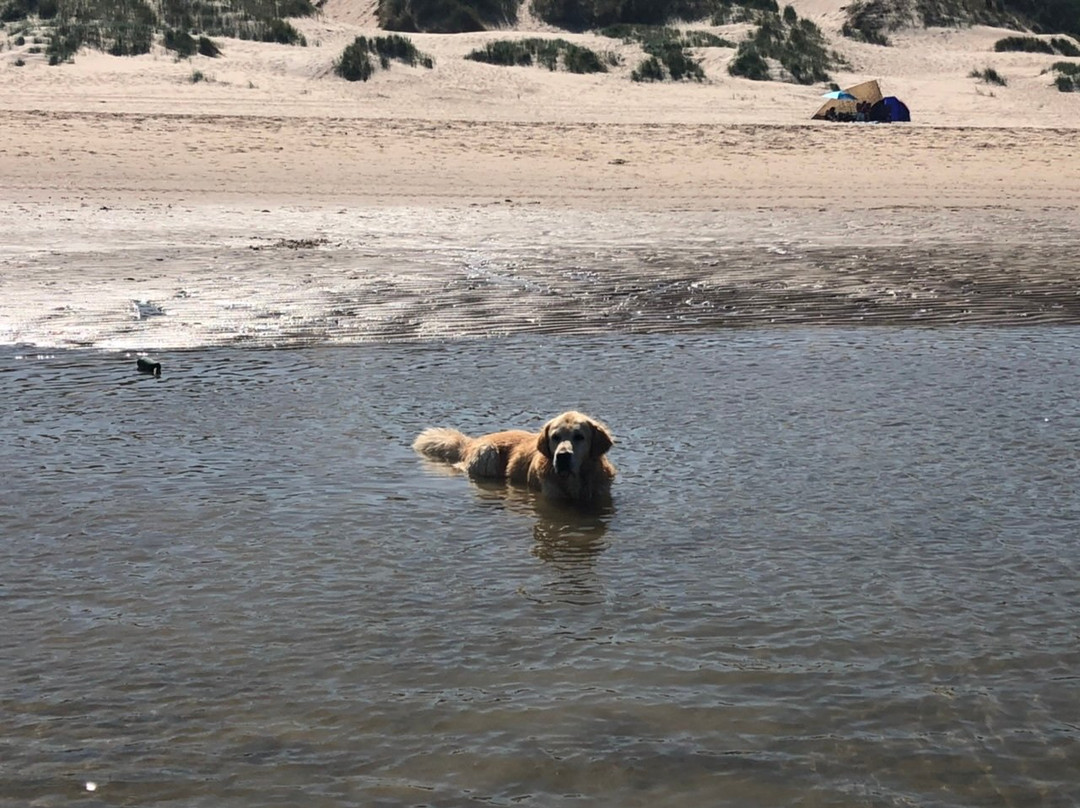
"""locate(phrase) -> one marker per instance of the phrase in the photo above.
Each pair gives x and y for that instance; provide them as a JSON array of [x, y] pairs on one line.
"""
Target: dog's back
[[489, 456]]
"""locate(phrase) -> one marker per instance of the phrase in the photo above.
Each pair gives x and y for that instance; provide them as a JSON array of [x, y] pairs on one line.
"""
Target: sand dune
[[929, 69]]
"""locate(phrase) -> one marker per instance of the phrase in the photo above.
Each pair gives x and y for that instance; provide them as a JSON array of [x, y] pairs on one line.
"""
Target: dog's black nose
[[564, 461]]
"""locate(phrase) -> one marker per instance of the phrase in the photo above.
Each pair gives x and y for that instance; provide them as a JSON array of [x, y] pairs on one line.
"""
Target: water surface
[[840, 570]]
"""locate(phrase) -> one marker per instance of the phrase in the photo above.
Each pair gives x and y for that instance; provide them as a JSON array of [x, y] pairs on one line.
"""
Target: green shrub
[[667, 50], [989, 75], [868, 34], [582, 15], [800, 48], [355, 62], [749, 63], [648, 69], [577, 59], [1026, 44], [280, 31], [400, 49], [549, 53], [1060, 16], [1068, 76], [64, 43], [679, 63], [658, 36], [504, 52], [13, 12], [16, 10], [869, 20], [446, 16], [1066, 47], [1066, 68], [124, 27], [181, 42], [207, 47]]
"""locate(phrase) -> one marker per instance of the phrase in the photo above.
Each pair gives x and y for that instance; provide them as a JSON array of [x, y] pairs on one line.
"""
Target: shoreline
[[173, 275]]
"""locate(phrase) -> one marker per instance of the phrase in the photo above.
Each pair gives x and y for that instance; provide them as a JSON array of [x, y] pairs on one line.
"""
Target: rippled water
[[841, 569]]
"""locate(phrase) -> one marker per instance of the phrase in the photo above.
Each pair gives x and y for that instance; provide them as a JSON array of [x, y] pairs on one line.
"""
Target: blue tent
[[889, 109]]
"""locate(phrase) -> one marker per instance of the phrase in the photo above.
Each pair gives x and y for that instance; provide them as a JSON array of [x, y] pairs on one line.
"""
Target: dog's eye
[[578, 437]]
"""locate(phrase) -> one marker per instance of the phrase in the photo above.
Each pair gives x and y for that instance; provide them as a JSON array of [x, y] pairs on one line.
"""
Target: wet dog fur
[[565, 460]]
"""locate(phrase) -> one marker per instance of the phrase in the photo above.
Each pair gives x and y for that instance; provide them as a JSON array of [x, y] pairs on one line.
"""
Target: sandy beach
[[119, 168]]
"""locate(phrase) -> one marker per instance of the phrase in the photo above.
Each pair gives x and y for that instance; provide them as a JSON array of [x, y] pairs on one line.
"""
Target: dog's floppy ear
[[601, 439], [543, 441]]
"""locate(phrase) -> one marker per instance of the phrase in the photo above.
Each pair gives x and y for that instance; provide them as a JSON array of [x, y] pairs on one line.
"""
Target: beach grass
[[1024, 44], [549, 53], [797, 44], [990, 76], [357, 61], [667, 50], [1066, 47], [867, 21], [1067, 79], [131, 27], [446, 16]]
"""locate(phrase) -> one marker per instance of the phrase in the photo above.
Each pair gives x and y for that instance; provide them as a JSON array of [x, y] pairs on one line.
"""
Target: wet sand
[[144, 231]]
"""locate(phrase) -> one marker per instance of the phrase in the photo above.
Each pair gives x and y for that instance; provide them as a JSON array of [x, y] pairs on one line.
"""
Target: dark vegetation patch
[[1066, 47], [185, 45], [446, 16], [988, 75], [358, 60], [1025, 44], [667, 50], [659, 35], [1067, 79], [798, 45], [870, 20], [130, 27], [550, 53], [455, 16], [581, 15], [1032, 44]]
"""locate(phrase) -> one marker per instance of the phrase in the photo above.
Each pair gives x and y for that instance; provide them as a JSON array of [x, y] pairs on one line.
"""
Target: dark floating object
[[146, 366]]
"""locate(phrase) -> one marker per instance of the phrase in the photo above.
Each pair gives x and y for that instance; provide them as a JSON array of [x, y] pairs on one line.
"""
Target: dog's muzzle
[[564, 462]]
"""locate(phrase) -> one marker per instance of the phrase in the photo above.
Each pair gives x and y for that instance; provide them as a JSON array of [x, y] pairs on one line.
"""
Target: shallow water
[[841, 569]]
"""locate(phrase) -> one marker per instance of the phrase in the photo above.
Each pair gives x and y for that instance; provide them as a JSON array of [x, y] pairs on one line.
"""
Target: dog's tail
[[439, 443]]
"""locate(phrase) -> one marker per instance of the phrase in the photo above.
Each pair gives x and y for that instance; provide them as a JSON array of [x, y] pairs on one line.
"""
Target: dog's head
[[571, 440]]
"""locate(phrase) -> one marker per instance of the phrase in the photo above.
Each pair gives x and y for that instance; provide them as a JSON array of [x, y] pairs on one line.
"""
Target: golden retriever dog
[[564, 460]]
